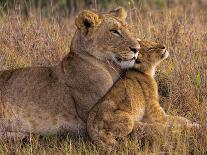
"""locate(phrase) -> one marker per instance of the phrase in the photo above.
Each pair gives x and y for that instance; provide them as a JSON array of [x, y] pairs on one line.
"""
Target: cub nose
[[163, 47], [134, 49]]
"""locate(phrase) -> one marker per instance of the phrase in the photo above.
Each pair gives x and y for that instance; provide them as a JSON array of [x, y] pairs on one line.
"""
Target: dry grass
[[39, 40]]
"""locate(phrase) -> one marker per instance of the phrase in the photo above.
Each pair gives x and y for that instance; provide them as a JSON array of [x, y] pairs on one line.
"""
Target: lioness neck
[[80, 46], [114, 70], [93, 79]]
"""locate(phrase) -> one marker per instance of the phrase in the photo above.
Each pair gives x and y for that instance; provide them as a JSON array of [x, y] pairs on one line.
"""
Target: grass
[[38, 40]]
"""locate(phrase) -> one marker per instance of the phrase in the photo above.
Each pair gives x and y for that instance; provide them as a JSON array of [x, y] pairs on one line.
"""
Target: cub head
[[150, 55], [106, 36]]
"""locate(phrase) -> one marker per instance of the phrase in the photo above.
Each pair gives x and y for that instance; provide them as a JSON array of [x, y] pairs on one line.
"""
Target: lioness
[[132, 102], [47, 99]]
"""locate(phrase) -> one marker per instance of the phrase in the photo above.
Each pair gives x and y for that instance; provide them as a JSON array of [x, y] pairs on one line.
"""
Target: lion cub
[[132, 101]]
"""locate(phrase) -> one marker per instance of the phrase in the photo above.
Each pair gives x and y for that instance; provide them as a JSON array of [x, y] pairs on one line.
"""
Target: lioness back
[[32, 100]]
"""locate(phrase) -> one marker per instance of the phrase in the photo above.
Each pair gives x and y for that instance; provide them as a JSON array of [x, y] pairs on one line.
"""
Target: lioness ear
[[119, 12], [87, 20]]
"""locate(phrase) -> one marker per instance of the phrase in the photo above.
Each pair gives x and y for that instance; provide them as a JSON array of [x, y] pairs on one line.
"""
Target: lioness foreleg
[[14, 136]]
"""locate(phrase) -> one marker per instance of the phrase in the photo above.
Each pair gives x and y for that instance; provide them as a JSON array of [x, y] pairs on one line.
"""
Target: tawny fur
[[133, 103], [58, 98]]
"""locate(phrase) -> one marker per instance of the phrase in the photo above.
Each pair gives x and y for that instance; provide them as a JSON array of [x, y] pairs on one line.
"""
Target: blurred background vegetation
[[70, 7]]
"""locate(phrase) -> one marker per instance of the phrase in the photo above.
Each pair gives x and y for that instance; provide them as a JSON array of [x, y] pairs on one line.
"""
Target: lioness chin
[[58, 98], [133, 104]]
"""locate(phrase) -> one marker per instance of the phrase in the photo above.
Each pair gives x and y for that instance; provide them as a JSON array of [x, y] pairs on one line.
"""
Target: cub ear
[[119, 12], [87, 20]]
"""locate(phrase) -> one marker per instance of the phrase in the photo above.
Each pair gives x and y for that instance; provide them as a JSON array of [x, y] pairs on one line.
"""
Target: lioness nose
[[134, 49]]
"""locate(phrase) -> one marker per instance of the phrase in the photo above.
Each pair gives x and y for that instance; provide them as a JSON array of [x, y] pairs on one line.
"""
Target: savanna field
[[40, 36]]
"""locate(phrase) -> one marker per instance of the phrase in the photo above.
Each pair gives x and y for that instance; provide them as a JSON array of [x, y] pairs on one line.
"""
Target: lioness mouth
[[137, 61], [120, 59]]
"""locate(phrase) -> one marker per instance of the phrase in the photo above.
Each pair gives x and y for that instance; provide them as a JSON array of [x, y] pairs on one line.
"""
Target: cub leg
[[175, 130], [156, 114], [173, 124], [112, 125], [122, 125], [157, 122], [143, 130], [182, 124]]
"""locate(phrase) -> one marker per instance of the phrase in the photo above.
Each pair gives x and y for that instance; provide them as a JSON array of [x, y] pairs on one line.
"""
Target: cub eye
[[150, 49], [116, 32]]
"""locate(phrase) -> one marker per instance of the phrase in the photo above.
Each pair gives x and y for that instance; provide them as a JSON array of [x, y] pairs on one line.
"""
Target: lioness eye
[[116, 32]]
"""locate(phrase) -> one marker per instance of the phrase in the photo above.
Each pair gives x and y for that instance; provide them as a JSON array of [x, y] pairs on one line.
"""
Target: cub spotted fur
[[132, 102], [58, 98]]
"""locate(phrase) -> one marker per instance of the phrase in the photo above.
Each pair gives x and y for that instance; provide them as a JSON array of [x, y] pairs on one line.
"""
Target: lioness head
[[106, 36], [150, 55]]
